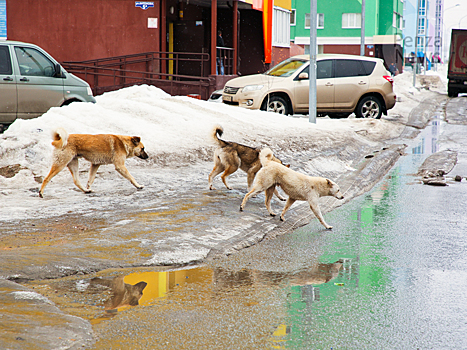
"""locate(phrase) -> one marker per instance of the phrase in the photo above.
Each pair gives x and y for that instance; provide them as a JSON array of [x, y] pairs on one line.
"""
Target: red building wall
[[76, 30]]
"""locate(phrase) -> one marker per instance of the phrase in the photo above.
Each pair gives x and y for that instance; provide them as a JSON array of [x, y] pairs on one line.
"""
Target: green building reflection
[[329, 312]]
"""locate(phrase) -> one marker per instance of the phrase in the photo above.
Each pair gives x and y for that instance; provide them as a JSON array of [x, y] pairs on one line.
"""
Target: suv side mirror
[[58, 71], [303, 76]]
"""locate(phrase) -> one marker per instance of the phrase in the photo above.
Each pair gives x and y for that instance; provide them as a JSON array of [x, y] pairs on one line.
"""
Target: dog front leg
[[122, 170], [288, 204], [314, 205], [92, 175], [73, 167], [269, 192]]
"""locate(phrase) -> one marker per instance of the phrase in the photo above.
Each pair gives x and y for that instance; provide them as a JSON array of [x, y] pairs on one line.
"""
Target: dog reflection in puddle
[[122, 294]]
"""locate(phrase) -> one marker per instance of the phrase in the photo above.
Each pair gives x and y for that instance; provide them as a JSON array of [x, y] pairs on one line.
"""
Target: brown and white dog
[[98, 149], [230, 156], [297, 186]]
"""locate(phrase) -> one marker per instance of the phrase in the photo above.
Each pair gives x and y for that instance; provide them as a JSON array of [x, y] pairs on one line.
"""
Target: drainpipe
[[235, 36], [362, 35], [416, 46], [213, 35]]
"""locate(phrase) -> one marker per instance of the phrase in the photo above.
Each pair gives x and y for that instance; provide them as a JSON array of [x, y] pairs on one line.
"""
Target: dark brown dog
[[230, 156], [98, 149]]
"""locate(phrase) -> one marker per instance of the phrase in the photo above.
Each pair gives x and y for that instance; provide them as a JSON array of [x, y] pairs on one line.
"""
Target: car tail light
[[389, 78]]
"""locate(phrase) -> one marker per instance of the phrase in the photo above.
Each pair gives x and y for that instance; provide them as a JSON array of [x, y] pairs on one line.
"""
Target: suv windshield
[[286, 68]]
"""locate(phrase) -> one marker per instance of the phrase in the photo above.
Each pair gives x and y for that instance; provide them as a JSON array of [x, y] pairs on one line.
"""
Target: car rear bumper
[[390, 100]]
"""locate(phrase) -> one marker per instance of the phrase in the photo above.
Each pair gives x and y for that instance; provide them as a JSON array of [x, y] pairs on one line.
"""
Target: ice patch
[[25, 295]]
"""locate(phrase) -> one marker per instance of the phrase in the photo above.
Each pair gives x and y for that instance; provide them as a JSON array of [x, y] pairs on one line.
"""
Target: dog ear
[[288, 165], [329, 182], [136, 140]]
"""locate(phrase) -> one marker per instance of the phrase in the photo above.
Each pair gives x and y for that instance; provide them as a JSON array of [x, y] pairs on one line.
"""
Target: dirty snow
[[178, 127]]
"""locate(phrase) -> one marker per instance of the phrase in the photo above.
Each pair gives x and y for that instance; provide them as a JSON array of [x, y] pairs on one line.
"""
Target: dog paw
[[241, 208], [282, 218], [272, 214], [41, 195], [328, 227], [140, 187]]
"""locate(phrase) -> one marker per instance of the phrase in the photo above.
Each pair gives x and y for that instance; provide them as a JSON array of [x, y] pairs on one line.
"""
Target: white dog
[[297, 186]]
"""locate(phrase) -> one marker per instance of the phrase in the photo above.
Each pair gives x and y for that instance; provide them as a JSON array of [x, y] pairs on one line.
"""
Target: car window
[[33, 63], [324, 69], [5, 62], [368, 66], [286, 68], [349, 68]]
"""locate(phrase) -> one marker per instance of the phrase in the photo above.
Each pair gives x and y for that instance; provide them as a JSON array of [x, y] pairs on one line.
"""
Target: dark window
[[349, 68], [5, 62], [324, 69], [368, 66]]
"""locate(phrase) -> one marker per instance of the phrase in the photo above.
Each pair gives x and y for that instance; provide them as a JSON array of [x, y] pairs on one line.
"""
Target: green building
[[339, 27]]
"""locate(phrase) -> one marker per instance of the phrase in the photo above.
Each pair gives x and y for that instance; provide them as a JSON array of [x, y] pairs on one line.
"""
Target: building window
[[281, 27], [292, 17], [320, 21], [394, 20], [351, 20], [422, 8], [421, 26]]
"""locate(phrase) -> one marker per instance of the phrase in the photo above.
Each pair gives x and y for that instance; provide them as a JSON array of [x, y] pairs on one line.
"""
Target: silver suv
[[345, 84], [31, 82]]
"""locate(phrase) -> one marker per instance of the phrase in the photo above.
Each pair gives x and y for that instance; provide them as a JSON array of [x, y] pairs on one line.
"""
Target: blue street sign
[[144, 4], [3, 19]]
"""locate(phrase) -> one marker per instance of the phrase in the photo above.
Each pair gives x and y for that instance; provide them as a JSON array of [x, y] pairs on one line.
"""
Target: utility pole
[[362, 38], [312, 68], [415, 65]]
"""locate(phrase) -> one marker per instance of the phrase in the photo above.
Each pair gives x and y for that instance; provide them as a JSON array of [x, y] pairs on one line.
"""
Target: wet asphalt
[[295, 285]]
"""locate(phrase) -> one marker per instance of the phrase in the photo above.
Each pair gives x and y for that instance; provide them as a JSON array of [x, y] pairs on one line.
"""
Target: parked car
[[32, 81], [216, 96], [345, 84]]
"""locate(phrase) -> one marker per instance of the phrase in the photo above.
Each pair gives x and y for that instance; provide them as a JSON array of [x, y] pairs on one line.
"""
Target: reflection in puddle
[[123, 294]]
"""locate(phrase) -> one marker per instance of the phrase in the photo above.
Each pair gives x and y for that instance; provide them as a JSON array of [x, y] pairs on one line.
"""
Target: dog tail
[[217, 132], [60, 138], [265, 156]]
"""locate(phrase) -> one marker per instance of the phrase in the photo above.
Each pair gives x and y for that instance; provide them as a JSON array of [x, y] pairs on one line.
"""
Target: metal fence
[[187, 75]]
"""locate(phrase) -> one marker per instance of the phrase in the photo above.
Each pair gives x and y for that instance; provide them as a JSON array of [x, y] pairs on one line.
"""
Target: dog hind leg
[[53, 171], [276, 192], [254, 191], [218, 168], [288, 204], [92, 175], [73, 167], [228, 171]]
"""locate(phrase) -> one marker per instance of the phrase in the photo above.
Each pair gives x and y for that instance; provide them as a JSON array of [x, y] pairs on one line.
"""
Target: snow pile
[[179, 127]]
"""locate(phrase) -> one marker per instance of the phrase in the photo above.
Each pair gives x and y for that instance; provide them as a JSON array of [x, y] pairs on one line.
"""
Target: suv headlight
[[89, 91], [252, 88]]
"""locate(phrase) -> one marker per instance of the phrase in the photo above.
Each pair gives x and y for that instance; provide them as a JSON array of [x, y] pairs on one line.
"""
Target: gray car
[[32, 81]]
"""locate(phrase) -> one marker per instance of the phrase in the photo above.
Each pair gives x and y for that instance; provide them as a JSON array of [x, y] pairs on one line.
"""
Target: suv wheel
[[277, 104], [369, 107]]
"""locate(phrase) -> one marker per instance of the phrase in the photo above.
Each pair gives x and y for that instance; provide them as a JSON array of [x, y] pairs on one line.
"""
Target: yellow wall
[[285, 4]]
